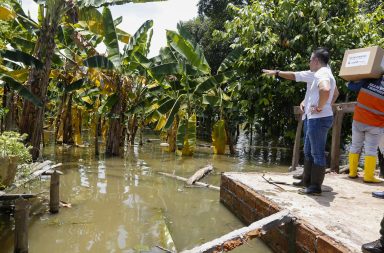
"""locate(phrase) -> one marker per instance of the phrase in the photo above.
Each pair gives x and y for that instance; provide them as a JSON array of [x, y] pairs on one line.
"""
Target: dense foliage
[[282, 35]]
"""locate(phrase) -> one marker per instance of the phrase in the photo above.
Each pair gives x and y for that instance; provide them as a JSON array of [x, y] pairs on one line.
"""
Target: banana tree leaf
[[40, 13], [111, 101], [20, 56], [100, 3], [211, 100], [20, 75], [138, 42], [26, 22], [174, 110], [231, 58], [161, 123], [92, 19], [6, 14], [186, 135], [149, 41], [123, 36], [118, 21], [99, 61], [166, 106], [75, 85], [194, 55], [225, 76], [22, 90], [22, 44], [110, 38], [166, 69], [142, 60], [208, 84], [219, 137]]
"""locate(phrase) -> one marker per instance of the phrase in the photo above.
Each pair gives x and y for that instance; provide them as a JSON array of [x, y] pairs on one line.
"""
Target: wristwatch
[[277, 73]]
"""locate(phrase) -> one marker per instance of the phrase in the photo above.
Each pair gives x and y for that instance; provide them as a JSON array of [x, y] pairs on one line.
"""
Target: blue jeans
[[315, 131]]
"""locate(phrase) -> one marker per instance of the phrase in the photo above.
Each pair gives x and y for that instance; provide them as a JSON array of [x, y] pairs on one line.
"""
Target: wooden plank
[[335, 147], [296, 147], [200, 174], [39, 170], [185, 180], [240, 236]]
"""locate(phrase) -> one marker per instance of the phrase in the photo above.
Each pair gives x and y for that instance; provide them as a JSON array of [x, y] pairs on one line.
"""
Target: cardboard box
[[362, 63]]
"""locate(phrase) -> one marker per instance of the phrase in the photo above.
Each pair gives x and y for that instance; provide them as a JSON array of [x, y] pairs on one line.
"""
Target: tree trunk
[[114, 132], [67, 123], [60, 117], [133, 130], [10, 117], [33, 117], [231, 145]]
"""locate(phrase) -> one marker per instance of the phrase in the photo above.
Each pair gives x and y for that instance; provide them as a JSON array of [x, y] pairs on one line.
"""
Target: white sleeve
[[322, 76], [304, 76]]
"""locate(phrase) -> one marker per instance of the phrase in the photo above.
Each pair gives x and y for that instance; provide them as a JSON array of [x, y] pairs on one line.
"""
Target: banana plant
[[118, 66], [193, 86]]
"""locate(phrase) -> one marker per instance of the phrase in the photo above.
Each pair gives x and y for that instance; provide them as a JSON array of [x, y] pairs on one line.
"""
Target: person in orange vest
[[367, 126]]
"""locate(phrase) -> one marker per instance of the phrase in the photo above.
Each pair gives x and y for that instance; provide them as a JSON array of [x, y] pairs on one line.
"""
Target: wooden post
[[21, 225], [335, 148], [296, 147], [54, 201]]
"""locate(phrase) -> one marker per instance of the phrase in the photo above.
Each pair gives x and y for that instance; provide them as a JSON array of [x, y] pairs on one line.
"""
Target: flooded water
[[124, 205]]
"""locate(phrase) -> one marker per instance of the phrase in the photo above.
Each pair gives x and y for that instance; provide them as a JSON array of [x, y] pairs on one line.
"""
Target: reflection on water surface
[[123, 205]]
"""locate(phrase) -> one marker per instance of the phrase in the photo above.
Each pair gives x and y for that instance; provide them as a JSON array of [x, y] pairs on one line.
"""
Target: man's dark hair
[[322, 54]]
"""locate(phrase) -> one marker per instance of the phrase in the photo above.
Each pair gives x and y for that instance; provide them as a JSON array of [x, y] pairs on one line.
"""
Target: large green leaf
[[194, 55], [110, 38], [231, 58], [166, 69], [166, 106], [208, 84], [138, 41], [111, 101], [142, 60], [211, 100], [22, 90], [20, 56], [75, 85], [174, 110], [98, 61], [100, 3]]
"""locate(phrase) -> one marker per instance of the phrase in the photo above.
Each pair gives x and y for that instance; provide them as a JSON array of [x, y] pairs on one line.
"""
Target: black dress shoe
[[373, 247], [311, 190], [379, 194], [299, 183]]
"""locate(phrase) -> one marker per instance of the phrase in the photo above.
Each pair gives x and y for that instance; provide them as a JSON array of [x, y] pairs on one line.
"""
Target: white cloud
[[165, 15]]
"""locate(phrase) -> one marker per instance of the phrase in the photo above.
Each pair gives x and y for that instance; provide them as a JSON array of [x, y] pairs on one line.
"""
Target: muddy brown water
[[123, 205]]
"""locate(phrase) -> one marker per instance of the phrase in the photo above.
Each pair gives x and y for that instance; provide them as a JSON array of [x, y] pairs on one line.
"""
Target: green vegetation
[[11, 145], [211, 67]]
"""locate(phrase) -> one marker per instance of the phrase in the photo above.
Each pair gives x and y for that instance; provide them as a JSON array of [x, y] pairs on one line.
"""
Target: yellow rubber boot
[[369, 170], [353, 163]]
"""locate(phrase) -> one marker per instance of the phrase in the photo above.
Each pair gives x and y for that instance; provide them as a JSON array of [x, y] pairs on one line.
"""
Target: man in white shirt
[[320, 95]]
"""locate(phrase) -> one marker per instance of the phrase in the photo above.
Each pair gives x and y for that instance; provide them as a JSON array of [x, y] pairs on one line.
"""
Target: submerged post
[[54, 201], [21, 226]]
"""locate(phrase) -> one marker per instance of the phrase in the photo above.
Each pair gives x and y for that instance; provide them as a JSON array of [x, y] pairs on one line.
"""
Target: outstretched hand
[[269, 72]]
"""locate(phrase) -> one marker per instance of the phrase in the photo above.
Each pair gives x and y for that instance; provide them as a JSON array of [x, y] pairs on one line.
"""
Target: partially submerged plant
[[11, 145]]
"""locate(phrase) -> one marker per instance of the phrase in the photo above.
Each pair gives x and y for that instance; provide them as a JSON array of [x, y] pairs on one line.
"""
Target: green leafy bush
[[11, 145]]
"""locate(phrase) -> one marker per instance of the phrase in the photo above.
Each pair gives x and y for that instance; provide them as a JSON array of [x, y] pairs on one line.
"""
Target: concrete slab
[[345, 212]]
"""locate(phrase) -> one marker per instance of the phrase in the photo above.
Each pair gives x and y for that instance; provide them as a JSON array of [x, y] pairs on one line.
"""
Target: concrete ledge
[[338, 221]]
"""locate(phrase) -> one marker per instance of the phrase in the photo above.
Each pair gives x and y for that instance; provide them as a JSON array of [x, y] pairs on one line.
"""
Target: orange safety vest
[[370, 103]]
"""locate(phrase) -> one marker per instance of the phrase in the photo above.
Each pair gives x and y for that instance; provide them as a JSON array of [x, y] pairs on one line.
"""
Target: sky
[[165, 15]]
